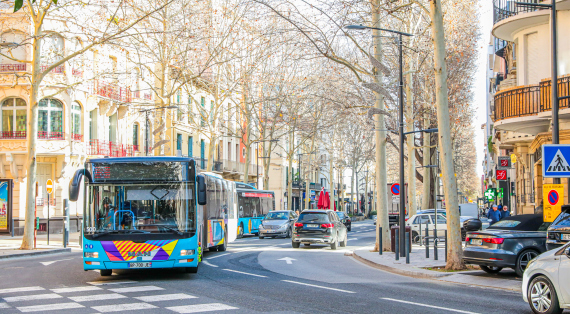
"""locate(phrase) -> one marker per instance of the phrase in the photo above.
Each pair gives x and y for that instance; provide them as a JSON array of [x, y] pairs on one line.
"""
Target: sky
[[480, 84]]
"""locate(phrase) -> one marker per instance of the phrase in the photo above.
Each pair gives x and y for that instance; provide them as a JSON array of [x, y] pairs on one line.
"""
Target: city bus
[[253, 205], [144, 212]]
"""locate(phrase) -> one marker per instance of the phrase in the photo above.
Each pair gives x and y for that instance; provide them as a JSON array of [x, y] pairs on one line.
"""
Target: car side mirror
[[201, 182], [567, 251]]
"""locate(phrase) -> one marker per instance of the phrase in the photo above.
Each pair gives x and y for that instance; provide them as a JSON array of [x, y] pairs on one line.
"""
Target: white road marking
[[136, 289], [352, 238], [165, 297], [241, 272], [197, 308], [430, 306], [216, 256], [288, 260], [110, 282], [123, 307], [211, 265], [75, 289], [51, 262], [32, 297], [310, 285], [50, 307], [22, 289], [4, 306], [97, 297]]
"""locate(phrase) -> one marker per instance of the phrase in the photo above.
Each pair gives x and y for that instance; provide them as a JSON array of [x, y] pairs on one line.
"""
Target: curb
[[404, 272], [37, 253]]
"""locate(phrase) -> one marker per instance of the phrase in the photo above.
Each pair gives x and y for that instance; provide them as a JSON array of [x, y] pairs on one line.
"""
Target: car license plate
[[566, 237], [476, 241], [140, 265], [312, 225]]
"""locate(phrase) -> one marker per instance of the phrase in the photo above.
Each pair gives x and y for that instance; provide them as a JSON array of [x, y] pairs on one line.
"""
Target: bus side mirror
[[201, 182], [75, 183]]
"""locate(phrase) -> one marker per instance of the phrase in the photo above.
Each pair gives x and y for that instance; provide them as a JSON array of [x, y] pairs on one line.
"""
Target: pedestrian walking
[[494, 215], [505, 212]]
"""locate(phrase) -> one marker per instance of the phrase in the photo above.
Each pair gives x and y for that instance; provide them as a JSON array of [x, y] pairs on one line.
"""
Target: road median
[[11, 253]]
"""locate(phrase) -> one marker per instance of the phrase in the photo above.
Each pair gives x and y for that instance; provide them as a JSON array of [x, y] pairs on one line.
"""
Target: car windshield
[[340, 215], [562, 220], [310, 217], [277, 216], [140, 208]]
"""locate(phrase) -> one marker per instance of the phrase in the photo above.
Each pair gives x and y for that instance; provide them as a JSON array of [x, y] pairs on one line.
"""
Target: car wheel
[[542, 296], [191, 270], [522, 261], [333, 245], [261, 237], [349, 228], [240, 231], [295, 245], [106, 272], [213, 249], [415, 237], [307, 244], [491, 269], [289, 232], [343, 243]]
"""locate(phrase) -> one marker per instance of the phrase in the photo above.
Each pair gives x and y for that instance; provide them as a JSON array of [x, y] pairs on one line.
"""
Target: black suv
[[345, 220], [559, 230], [319, 227]]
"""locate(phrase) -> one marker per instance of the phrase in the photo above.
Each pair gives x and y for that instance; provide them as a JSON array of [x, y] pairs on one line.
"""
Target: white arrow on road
[[287, 259]]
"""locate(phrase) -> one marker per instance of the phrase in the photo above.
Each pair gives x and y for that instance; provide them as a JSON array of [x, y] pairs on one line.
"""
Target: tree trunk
[[426, 198], [30, 215], [290, 181], [412, 207], [352, 190], [382, 220], [331, 181], [454, 254]]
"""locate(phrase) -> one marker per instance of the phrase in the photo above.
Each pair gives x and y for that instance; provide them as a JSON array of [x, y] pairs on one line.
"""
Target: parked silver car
[[277, 223]]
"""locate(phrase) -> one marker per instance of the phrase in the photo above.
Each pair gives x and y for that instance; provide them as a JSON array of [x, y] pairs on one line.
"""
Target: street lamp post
[[257, 158], [146, 111]]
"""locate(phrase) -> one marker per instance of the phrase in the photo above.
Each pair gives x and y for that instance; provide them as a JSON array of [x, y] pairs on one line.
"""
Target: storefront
[[5, 204]]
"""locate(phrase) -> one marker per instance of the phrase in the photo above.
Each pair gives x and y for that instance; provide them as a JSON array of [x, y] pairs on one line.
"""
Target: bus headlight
[[91, 254], [186, 252]]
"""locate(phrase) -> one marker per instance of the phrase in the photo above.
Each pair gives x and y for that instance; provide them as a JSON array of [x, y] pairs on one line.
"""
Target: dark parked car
[[559, 230], [319, 227], [345, 220], [512, 242]]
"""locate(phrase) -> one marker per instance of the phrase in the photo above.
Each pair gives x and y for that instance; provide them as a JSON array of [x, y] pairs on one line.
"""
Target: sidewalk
[[10, 246], [419, 265]]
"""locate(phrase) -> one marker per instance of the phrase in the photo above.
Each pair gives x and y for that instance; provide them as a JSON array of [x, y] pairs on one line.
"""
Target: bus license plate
[[566, 237], [140, 265], [476, 241], [312, 225]]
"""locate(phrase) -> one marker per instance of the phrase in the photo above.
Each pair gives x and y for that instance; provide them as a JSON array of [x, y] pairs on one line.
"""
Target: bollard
[[407, 247], [420, 238], [427, 242], [12, 228], [380, 248], [445, 233], [435, 244], [397, 245]]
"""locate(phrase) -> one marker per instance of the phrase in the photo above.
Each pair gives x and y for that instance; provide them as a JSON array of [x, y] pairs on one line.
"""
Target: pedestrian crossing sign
[[555, 159]]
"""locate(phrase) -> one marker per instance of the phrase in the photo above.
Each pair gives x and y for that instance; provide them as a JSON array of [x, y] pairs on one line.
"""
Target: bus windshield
[[140, 208]]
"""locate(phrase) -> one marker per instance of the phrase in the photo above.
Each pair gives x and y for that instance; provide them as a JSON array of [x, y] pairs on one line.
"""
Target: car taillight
[[327, 225], [466, 239], [407, 219], [494, 240], [298, 224]]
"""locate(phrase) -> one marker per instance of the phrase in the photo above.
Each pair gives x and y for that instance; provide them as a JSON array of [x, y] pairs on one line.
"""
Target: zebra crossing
[[105, 298]]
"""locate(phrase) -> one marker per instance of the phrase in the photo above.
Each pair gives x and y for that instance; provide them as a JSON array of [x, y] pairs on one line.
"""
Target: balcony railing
[[77, 72], [529, 100], [15, 67], [148, 96], [112, 91], [13, 135], [137, 94], [503, 9], [60, 69], [104, 148], [77, 137], [43, 135]]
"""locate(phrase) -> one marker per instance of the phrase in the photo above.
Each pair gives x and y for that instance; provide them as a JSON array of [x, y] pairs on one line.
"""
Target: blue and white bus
[[253, 205], [144, 212]]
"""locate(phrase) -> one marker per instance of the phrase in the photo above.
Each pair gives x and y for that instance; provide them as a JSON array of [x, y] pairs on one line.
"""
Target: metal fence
[[517, 102], [503, 9]]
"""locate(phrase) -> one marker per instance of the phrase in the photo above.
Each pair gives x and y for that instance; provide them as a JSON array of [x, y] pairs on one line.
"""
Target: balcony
[[77, 137], [503, 9], [104, 148], [13, 135], [60, 69], [112, 91], [14, 67], [526, 109], [43, 135], [509, 18]]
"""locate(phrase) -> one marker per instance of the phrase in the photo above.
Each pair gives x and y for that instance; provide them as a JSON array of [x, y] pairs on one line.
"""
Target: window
[[51, 52], [202, 154], [190, 144], [14, 112], [50, 119], [202, 103], [18, 52], [113, 128], [243, 152], [93, 124], [423, 219], [179, 142], [212, 111], [76, 133], [136, 136], [190, 111]]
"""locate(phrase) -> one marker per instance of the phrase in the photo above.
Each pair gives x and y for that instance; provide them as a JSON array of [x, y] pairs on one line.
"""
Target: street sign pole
[[48, 222], [49, 190]]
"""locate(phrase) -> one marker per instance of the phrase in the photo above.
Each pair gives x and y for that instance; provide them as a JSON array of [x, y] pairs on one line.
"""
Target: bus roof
[[139, 159]]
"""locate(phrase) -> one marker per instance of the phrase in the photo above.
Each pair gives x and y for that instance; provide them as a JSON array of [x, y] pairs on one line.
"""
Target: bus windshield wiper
[[132, 231], [99, 233], [173, 230]]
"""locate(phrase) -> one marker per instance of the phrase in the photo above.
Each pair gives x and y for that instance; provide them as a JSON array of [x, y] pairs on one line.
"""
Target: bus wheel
[[222, 247], [191, 270], [240, 231], [106, 272]]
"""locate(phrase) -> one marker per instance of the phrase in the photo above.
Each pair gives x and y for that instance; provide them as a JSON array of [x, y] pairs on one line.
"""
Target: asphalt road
[[252, 276]]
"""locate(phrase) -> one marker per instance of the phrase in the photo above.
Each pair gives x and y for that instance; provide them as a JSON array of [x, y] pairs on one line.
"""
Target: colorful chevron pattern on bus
[[155, 250]]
